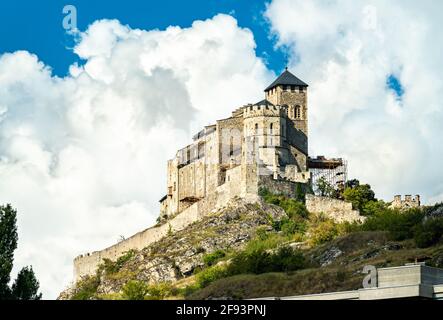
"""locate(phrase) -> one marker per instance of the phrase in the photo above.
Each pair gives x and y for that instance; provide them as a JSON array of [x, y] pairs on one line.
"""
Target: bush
[[134, 290], [159, 291], [287, 259], [265, 242], [323, 232], [111, 267], [86, 288], [400, 225], [257, 261], [372, 207], [291, 227], [211, 258], [429, 233], [209, 275], [292, 207], [260, 261]]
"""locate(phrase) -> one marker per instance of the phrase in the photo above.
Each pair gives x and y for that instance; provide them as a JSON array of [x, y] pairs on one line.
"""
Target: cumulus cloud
[[346, 50], [83, 157]]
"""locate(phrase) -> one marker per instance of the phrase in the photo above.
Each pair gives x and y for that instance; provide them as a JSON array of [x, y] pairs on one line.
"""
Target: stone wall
[[338, 210], [408, 203], [87, 264], [284, 187]]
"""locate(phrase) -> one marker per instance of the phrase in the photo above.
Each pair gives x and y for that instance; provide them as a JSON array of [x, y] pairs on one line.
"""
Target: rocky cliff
[[180, 254]]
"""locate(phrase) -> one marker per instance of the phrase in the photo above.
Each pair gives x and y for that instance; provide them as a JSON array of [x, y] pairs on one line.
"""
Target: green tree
[[8, 244], [26, 285], [358, 194], [325, 188]]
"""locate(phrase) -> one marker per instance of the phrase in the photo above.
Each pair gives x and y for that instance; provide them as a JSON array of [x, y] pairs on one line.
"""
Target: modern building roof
[[286, 78]]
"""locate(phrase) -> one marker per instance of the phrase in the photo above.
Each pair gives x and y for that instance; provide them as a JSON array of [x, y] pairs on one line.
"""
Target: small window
[[300, 89], [256, 128], [292, 88], [270, 128], [297, 112]]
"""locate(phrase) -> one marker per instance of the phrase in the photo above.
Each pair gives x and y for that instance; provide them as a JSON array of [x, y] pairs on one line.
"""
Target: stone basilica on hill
[[229, 158], [261, 146]]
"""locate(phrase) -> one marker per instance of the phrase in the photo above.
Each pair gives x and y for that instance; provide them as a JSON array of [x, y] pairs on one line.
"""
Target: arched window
[[270, 128], [256, 128], [297, 112]]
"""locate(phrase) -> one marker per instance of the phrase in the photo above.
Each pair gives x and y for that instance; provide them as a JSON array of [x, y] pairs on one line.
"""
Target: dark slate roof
[[286, 78], [263, 103]]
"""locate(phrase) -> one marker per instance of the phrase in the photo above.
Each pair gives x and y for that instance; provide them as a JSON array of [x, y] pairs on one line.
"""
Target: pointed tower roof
[[286, 78]]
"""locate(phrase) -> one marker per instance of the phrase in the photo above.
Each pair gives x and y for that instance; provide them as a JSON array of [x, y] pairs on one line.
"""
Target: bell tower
[[291, 92], [288, 90]]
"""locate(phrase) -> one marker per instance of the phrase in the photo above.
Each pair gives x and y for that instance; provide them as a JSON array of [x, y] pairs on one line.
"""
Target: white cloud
[[345, 50], [83, 158]]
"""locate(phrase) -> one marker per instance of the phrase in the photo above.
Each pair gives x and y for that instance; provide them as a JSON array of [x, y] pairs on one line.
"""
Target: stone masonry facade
[[407, 203], [261, 145]]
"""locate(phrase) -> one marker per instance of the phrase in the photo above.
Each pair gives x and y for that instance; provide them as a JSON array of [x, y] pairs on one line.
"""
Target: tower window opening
[[256, 128], [300, 89], [297, 112], [231, 146], [270, 128]]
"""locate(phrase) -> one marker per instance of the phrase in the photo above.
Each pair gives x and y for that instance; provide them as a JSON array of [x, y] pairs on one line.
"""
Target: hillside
[[271, 248]]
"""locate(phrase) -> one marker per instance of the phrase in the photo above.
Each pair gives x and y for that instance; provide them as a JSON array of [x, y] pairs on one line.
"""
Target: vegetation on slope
[[294, 253]]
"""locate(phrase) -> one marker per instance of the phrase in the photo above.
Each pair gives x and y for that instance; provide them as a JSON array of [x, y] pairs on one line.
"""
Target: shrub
[[429, 233], [257, 261], [86, 288], [134, 290], [111, 267], [269, 241], [211, 258], [400, 225], [292, 207], [159, 291], [291, 227], [287, 259], [260, 261], [372, 207], [323, 232], [209, 275]]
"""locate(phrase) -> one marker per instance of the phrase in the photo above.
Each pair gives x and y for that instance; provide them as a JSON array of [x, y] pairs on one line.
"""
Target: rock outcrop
[[178, 255]]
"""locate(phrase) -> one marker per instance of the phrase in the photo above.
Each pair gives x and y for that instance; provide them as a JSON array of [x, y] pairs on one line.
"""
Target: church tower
[[291, 92]]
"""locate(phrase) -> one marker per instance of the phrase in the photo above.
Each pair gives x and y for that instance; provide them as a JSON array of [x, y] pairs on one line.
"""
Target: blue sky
[[38, 28]]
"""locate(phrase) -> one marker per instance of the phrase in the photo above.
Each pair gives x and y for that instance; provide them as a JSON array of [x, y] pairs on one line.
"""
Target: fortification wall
[[408, 203], [338, 210], [87, 264]]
